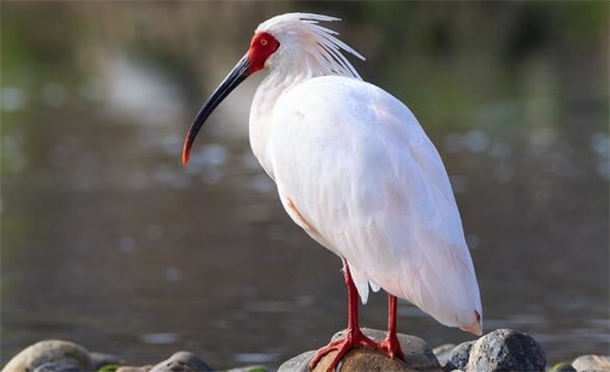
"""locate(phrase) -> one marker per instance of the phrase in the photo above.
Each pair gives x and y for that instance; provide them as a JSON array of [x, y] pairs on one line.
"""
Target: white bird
[[354, 169]]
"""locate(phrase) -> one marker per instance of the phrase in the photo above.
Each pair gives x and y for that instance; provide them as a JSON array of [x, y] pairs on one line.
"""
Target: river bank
[[500, 350]]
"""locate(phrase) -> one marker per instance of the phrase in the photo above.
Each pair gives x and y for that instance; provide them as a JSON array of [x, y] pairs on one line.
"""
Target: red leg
[[391, 345], [354, 337]]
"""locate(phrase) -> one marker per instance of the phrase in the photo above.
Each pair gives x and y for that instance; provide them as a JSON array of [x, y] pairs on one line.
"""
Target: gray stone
[[50, 351], [506, 350], [298, 363], [101, 359], [418, 353], [134, 369], [183, 361], [442, 353], [54, 367], [596, 362], [249, 369], [459, 356]]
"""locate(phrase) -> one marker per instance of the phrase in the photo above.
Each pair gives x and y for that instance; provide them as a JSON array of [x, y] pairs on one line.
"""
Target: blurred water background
[[109, 241]]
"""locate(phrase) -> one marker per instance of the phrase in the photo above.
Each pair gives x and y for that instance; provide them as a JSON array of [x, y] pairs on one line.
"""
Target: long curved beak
[[238, 74]]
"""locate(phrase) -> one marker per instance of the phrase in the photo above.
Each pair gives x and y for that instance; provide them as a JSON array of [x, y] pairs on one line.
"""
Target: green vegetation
[[108, 368]]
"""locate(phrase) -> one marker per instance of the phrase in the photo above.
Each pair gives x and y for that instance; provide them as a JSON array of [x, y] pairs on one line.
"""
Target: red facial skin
[[262, 46]]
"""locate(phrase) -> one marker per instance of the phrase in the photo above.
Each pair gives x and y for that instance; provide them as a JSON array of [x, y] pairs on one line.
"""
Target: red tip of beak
[[186, 151]]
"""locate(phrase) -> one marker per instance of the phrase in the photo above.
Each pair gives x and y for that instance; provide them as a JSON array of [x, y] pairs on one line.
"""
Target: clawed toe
[[392, 348], [353, 339]]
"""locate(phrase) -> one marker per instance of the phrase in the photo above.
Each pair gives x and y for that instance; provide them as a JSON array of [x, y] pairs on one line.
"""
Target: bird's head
[[288, 43]]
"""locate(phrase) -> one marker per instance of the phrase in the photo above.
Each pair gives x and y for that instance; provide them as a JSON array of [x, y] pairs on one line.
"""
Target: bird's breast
[[260, 128], [262, 111]]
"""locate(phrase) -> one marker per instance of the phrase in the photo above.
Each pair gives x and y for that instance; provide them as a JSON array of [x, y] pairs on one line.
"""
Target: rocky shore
[[498, 351]]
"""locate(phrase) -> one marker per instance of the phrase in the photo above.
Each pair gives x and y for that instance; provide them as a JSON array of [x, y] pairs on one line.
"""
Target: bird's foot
[[391, 346], [354, 339]]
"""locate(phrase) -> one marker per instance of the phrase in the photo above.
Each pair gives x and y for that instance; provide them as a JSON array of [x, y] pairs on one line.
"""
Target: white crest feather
[[325, 51]]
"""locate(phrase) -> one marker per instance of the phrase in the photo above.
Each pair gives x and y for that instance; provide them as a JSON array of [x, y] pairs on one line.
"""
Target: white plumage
[[365, 179], [373, 190], [356, 171]]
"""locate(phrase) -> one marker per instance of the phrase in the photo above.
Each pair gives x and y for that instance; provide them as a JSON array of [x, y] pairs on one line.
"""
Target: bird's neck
[[268, 92]]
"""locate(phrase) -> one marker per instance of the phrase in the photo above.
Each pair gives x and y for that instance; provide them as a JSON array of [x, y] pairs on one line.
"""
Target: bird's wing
[[365, 179]]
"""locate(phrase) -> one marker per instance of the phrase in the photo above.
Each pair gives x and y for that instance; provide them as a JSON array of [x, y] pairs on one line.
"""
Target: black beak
[[239, 73]]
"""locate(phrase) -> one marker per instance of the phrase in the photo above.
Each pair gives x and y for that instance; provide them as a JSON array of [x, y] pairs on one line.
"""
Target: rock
[[101, 359], [418, 353], [459, 356], [134, 369], [249, 369], [596, 362], [442, 353], [298, 363], [182, 361], [54, 367], [50, 351], [364, 360], [506, 350]]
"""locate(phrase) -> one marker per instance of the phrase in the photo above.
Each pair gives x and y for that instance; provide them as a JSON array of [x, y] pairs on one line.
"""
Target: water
[[108, 241]]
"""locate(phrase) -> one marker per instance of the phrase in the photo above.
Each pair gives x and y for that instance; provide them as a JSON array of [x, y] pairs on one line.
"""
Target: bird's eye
[[264, 42]]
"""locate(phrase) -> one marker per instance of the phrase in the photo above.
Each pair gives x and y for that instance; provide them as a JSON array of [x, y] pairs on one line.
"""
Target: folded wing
[[372, 188]]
